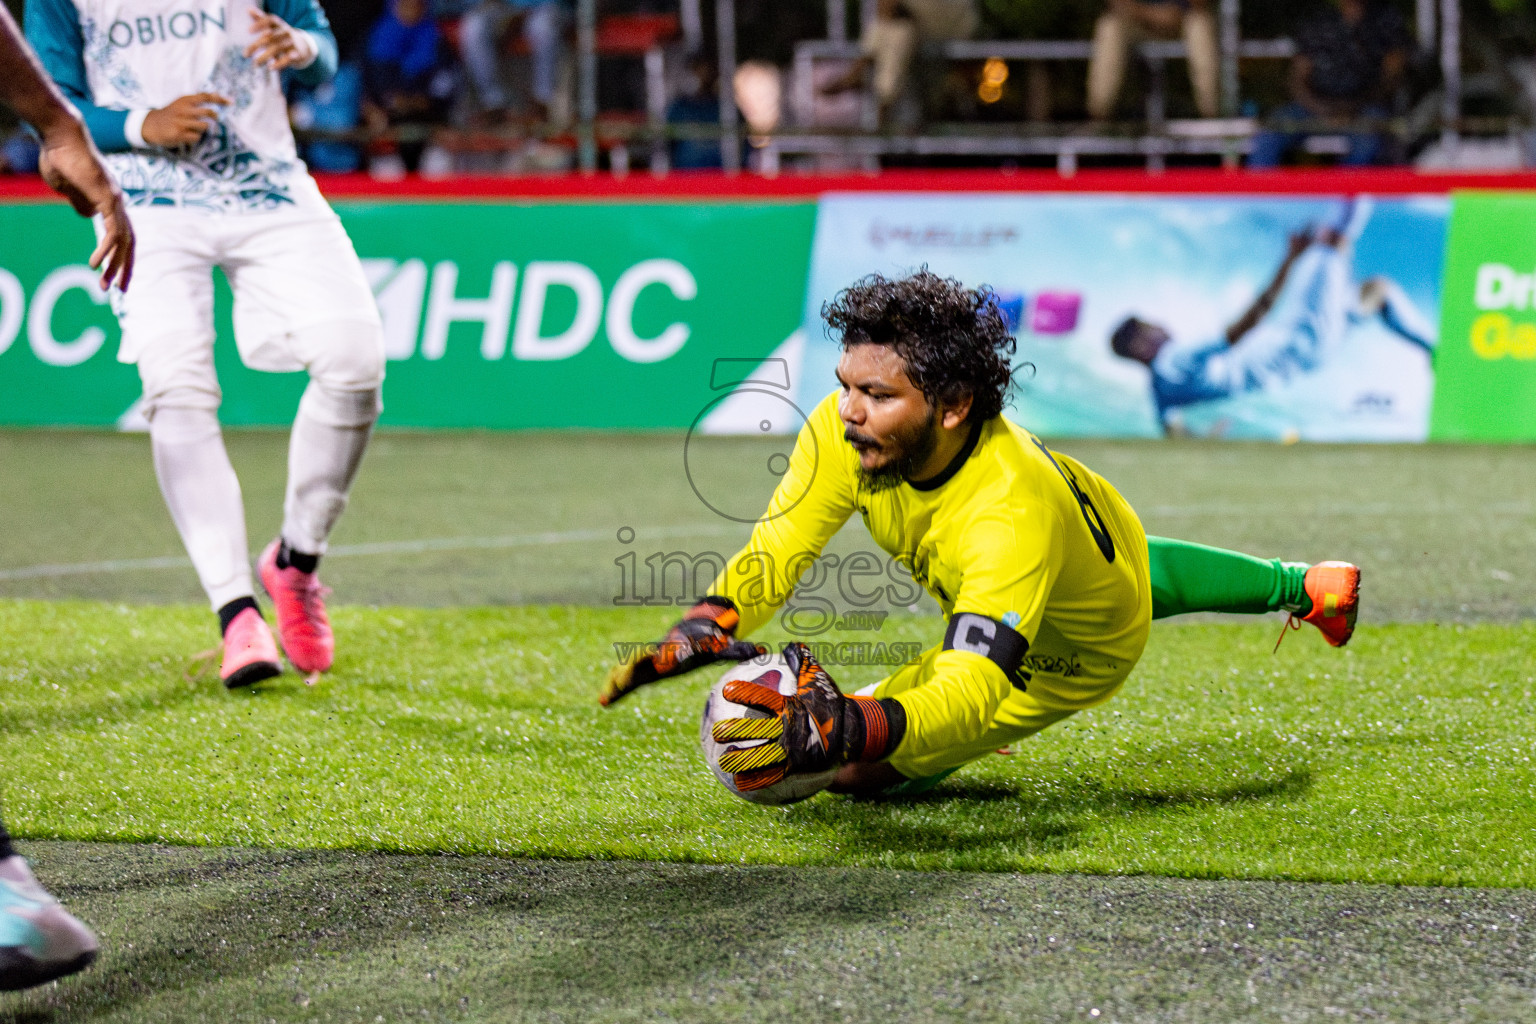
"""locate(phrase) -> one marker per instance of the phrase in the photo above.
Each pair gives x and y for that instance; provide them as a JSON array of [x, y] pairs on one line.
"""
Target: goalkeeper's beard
[[912, 447]]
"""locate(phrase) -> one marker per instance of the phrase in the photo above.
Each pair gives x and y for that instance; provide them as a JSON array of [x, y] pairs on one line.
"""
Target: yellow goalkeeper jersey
[[1039, 565]]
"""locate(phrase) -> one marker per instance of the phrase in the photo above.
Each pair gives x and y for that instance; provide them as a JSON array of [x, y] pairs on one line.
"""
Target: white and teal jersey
[[117, 60]]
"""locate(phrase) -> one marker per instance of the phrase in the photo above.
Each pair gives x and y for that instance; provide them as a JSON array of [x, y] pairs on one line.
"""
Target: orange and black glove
[[810, 731], [706, 634]]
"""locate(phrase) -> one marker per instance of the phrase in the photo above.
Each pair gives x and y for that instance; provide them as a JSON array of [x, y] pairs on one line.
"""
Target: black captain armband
[[998, 642]]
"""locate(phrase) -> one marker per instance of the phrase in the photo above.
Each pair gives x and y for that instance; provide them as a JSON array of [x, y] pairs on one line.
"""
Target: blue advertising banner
[[1276, 318]]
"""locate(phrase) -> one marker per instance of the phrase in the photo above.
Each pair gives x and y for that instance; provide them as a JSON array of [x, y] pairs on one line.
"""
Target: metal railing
[[1155, 139]]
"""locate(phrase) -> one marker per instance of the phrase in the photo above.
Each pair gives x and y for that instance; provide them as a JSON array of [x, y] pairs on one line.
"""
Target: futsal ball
[[787, 790]]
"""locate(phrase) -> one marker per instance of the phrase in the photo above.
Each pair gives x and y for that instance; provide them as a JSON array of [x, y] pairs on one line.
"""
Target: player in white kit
[[185, 99]]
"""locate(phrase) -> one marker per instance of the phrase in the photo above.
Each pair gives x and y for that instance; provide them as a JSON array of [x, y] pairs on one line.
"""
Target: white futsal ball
[[792, 787]]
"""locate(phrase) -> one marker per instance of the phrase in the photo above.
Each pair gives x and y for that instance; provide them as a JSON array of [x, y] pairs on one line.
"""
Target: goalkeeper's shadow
[[1045, 816]]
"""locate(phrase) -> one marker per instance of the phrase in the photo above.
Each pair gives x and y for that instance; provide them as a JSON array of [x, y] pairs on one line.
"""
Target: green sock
[[1194, 578]]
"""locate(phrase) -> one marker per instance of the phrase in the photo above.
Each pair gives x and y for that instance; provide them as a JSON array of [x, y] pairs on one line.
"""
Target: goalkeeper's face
[[886, 418]]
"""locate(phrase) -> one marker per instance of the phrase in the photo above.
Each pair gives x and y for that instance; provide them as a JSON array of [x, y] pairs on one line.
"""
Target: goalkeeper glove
[[812, 730], [706, 634]]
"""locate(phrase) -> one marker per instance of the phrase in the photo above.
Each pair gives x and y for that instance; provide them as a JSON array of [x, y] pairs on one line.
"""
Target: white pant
[[295, 278], [301, 303]]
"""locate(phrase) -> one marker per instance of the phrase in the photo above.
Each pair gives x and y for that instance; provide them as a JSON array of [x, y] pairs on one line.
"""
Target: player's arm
[[25, 87], [294, 35], [53, 29], [813, 500], [1265, 302], [70, 164], [1010, 563]]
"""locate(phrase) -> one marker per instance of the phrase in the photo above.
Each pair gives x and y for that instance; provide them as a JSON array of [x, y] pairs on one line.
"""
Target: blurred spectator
[[1128, 22], [18, 153], [697, 104], [351, 21], [336, 106], [408, 75], [1350, 60], [889, 41], [542, 25], [759, 91]]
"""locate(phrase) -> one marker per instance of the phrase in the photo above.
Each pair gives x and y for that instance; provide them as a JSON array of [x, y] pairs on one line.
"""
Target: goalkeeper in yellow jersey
[[1042, 569]]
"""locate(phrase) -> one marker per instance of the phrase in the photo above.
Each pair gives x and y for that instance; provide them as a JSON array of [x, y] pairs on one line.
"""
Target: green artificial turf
[[1444, 532], [1403, 758]]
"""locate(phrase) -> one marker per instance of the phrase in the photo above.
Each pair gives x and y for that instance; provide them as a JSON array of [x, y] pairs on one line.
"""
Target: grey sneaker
[[39, 940]]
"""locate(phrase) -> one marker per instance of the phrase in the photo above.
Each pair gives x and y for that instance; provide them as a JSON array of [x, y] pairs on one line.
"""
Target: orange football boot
[[1334, 588]]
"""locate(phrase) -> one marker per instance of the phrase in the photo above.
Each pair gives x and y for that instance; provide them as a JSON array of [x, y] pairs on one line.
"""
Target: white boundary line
[[550, 539], [390, 547]]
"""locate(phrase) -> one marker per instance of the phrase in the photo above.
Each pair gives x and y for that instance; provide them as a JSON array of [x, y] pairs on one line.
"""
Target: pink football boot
[[299, 601], [250, 654]]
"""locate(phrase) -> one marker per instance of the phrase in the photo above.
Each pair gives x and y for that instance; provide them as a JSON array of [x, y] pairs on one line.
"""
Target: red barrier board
[[707, 186]]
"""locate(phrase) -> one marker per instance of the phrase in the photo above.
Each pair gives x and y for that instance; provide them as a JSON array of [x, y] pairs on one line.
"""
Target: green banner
[[496, 315], [1485, 367]]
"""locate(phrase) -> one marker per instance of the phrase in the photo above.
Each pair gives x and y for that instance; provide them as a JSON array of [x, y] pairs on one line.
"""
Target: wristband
[[133, 128], [872, 729]]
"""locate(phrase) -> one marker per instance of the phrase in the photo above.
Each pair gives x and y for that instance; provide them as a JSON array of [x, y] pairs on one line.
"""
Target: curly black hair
[[954, 339]]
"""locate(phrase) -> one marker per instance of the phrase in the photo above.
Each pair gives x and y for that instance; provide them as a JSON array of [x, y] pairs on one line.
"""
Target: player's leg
[[330, 434], [1309, 321], [203, 496], [1384, 297], [39, 940], [1312, 316], [302, 302], [1113, 35], [1189, 577], [167, 320], [1271, 145], [1200, 32], [479, 35], [1320, 305], [544, 31], [889, 43]]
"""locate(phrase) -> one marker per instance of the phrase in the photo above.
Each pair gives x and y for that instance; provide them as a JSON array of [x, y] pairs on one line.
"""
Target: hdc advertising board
[[495, 315]]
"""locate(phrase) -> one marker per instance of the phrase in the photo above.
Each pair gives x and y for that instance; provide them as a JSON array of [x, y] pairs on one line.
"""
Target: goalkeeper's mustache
[[860, 442]]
